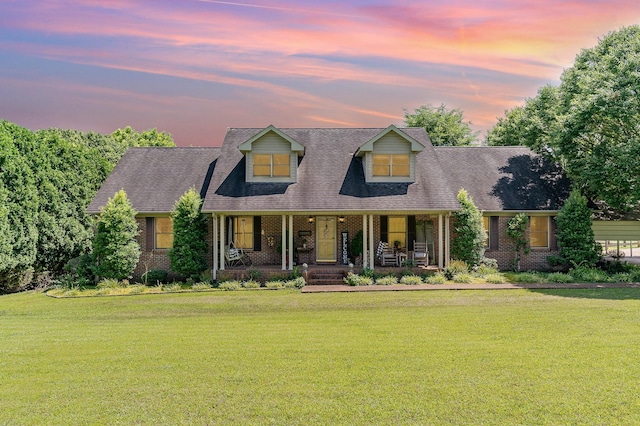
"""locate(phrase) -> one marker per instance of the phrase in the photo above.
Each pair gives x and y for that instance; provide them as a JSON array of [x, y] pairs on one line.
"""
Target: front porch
[[278, 243]]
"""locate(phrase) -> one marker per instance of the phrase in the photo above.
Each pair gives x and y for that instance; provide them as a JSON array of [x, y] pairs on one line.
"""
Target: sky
[[194, 68]]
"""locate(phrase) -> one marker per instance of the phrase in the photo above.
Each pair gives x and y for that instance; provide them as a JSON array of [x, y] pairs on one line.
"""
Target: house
[[283, 194]]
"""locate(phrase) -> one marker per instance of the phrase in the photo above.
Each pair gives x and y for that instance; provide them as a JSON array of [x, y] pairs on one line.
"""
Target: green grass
[[282, 357]]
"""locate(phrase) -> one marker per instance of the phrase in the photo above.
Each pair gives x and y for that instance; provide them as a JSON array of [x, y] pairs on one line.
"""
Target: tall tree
[[188, 255], [576, 241], [470, 235], [590, 124], [116, 250], [445, 127]]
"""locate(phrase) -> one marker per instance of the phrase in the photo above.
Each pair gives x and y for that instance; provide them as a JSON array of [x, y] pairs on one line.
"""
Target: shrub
[[455, 267], [468, 244], [484, 270], [588, 275], [251, 284], [200, 286], [438, 278], [516, 229], [576, 242], [155, 276], [172, 287], [489, 262], [110, 283], [558, 277], [137, 289], [229, 285], [275, 285], [115, 248], [357, 280], [411, 280], [254, 274], [622, 277], [298, 282], [463, 278], [388, 280], [188, 255], [496, 278]]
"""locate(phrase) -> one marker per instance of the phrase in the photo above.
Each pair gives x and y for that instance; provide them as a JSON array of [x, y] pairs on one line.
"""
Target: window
[[539, 231], [486, 225], [391, 164], [271, 165], [164, 232], [397, 229], [243, 232]]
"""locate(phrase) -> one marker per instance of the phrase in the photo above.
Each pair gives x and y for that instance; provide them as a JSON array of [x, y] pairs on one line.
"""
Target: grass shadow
[[623, 293]]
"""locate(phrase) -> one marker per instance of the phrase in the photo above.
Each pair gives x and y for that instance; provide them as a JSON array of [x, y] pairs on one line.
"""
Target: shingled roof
[[155, 177], [505, 178], [330, 177]]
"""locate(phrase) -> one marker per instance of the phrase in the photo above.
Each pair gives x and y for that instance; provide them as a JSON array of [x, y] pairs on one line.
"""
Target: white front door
[[326, 239]]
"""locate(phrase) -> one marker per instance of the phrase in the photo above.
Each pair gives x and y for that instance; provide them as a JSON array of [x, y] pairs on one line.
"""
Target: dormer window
[[390, 157], [271, 165], [271, 156], [391, 165]]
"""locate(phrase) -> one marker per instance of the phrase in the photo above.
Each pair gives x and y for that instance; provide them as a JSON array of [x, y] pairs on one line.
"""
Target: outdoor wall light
[[341, 219], [310, 219]]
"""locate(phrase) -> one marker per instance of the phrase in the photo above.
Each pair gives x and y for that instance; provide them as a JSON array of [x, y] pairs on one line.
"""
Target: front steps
[[325, 277]]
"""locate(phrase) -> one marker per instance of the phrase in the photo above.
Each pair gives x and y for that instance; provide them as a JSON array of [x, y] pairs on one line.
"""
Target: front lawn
[[282, 357]]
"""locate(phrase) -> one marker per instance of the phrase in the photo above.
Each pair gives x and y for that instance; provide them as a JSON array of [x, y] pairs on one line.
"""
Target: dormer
[[390, 156], [271, 156]]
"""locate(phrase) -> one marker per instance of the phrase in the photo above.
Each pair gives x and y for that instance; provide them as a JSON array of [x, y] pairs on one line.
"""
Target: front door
[[326, 238]]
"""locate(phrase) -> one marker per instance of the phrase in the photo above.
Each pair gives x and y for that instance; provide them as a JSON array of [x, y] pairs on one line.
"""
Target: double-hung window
[[539, 231], [397, 229], [163, 233], [243, 232]]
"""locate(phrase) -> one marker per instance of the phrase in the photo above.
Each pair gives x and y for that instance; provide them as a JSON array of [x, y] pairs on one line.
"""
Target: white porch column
[[447, 241], [222, 219], [365, 239], [371, 246], [283, 243], [214, 247], [290, 242], [440, 243]]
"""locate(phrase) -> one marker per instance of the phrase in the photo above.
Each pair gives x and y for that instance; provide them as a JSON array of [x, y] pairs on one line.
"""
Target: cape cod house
[[309, 191]]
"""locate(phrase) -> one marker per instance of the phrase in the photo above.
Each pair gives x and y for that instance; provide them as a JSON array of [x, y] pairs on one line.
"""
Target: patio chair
[[233, 256], [388, 257], [420, 253]]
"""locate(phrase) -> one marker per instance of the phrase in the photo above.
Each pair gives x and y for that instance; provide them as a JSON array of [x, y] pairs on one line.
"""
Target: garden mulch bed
[[401, 287]]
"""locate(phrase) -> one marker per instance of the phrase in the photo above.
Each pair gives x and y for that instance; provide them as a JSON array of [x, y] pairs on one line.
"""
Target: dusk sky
[[196, 67]]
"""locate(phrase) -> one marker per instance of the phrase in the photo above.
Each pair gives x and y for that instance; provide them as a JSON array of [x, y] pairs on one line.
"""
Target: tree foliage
[[47, 180], [576, 241], [470, 235], [445, 127], [590, 124], [188, 255], [116, 250]]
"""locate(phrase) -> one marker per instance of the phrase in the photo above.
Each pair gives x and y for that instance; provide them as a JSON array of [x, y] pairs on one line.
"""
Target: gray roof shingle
[[505, 178], [155, 177], [330, 178]]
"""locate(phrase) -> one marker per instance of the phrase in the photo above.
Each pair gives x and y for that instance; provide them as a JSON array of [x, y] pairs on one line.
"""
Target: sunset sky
[[195, 67]]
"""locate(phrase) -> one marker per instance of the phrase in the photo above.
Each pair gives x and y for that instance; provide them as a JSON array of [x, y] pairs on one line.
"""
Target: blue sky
[[196, 67]]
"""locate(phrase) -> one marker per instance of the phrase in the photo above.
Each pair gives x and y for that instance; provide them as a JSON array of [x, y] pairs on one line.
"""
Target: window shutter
[[553, 241], [257, 233], [384, 228], [151, 233], [411, 231], [494, 233]]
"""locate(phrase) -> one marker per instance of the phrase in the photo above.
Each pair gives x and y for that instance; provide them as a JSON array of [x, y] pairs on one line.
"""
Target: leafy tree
[[590, 123], [115, 249], [188, 255], [576, 241], [470, 235], [445, 127], [516, 230], [18, 208]]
